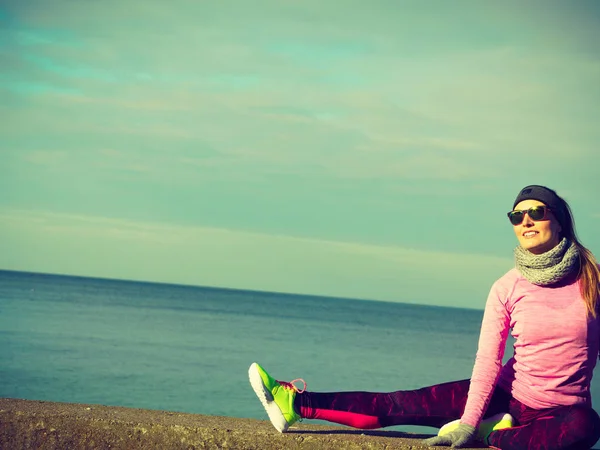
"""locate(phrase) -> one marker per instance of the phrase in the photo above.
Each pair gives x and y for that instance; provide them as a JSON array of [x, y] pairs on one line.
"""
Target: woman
[[540, 399]]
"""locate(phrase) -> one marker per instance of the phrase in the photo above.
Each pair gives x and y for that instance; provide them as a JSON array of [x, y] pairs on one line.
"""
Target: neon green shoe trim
[[497, 422], [277, 397], [283, 394]]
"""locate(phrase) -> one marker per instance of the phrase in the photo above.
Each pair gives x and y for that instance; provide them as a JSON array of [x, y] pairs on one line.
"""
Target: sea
[[188, 349]]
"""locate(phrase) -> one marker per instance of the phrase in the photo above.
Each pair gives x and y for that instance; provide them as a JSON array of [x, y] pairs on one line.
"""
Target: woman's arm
[[492, 342]]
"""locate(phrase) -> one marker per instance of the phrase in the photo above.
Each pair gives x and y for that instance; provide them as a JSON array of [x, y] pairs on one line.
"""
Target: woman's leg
[[563, 428], [430, 406]]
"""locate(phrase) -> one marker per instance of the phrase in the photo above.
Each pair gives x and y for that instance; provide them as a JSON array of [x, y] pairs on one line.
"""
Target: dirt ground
[[26, 424]]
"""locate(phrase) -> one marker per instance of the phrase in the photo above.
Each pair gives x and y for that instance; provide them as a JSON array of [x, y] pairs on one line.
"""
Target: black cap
[[545, 195]]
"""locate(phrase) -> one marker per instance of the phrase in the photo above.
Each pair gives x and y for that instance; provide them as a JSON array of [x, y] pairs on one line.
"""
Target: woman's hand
[[463, 435]]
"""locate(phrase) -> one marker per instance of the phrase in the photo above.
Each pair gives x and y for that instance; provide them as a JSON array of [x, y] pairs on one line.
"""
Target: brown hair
[[589, 273]]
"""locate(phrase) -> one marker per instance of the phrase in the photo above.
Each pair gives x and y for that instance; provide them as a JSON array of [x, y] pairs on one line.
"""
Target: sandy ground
[[26, 424]]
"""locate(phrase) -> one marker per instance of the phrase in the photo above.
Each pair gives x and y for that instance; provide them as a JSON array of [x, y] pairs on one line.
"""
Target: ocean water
[[188, 349]]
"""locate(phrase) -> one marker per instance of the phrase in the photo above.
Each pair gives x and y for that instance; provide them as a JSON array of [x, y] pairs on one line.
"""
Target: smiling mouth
[[530, 234]]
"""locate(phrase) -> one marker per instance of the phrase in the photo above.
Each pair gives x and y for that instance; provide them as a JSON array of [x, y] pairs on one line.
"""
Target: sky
[[344, 148]]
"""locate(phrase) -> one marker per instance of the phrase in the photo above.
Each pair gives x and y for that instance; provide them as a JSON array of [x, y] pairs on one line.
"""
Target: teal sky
[[345, 148]]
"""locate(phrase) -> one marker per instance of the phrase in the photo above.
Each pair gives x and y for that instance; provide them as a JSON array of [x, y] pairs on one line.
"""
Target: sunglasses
[[535, 213]]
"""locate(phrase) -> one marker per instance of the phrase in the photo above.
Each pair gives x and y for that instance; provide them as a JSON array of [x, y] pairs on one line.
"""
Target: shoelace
[[290, 385]]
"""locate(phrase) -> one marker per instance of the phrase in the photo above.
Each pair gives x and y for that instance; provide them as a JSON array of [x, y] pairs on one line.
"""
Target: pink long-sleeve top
[[555, 350]]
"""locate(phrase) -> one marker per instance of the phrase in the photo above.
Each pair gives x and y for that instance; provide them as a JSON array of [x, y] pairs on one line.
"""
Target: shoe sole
[[267, 400]]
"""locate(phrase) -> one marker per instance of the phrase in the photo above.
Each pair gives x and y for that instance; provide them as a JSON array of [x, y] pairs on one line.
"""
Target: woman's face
[[537, 236]]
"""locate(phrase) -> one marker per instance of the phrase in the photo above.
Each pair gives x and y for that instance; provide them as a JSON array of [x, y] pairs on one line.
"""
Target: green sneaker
[[499, 421], [276, 396]]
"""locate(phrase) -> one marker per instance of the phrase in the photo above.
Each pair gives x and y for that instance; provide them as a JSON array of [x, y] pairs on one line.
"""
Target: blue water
[[188, 349]]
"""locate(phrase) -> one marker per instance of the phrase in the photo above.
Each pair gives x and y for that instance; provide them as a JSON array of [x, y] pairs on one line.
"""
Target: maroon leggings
[[564, 427]]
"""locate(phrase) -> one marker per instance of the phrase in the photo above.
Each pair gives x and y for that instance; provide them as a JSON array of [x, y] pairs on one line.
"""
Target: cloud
[[46, 158], [281, 116], [115, 248], [282, 106]]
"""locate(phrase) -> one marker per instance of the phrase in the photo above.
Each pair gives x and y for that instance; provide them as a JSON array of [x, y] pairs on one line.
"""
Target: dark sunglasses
[[535, 213]]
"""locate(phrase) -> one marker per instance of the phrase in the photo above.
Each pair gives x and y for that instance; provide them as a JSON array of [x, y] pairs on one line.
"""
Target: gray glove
[[460, 437]]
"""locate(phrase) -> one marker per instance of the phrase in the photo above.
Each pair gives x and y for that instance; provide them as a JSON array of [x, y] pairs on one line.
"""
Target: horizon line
[[230, 289]]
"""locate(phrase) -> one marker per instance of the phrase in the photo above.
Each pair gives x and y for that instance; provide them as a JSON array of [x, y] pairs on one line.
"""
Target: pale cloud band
[[114, 248]]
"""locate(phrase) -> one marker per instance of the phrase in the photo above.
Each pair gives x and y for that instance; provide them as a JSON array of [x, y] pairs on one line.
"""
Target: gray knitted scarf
[[549, 267]]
